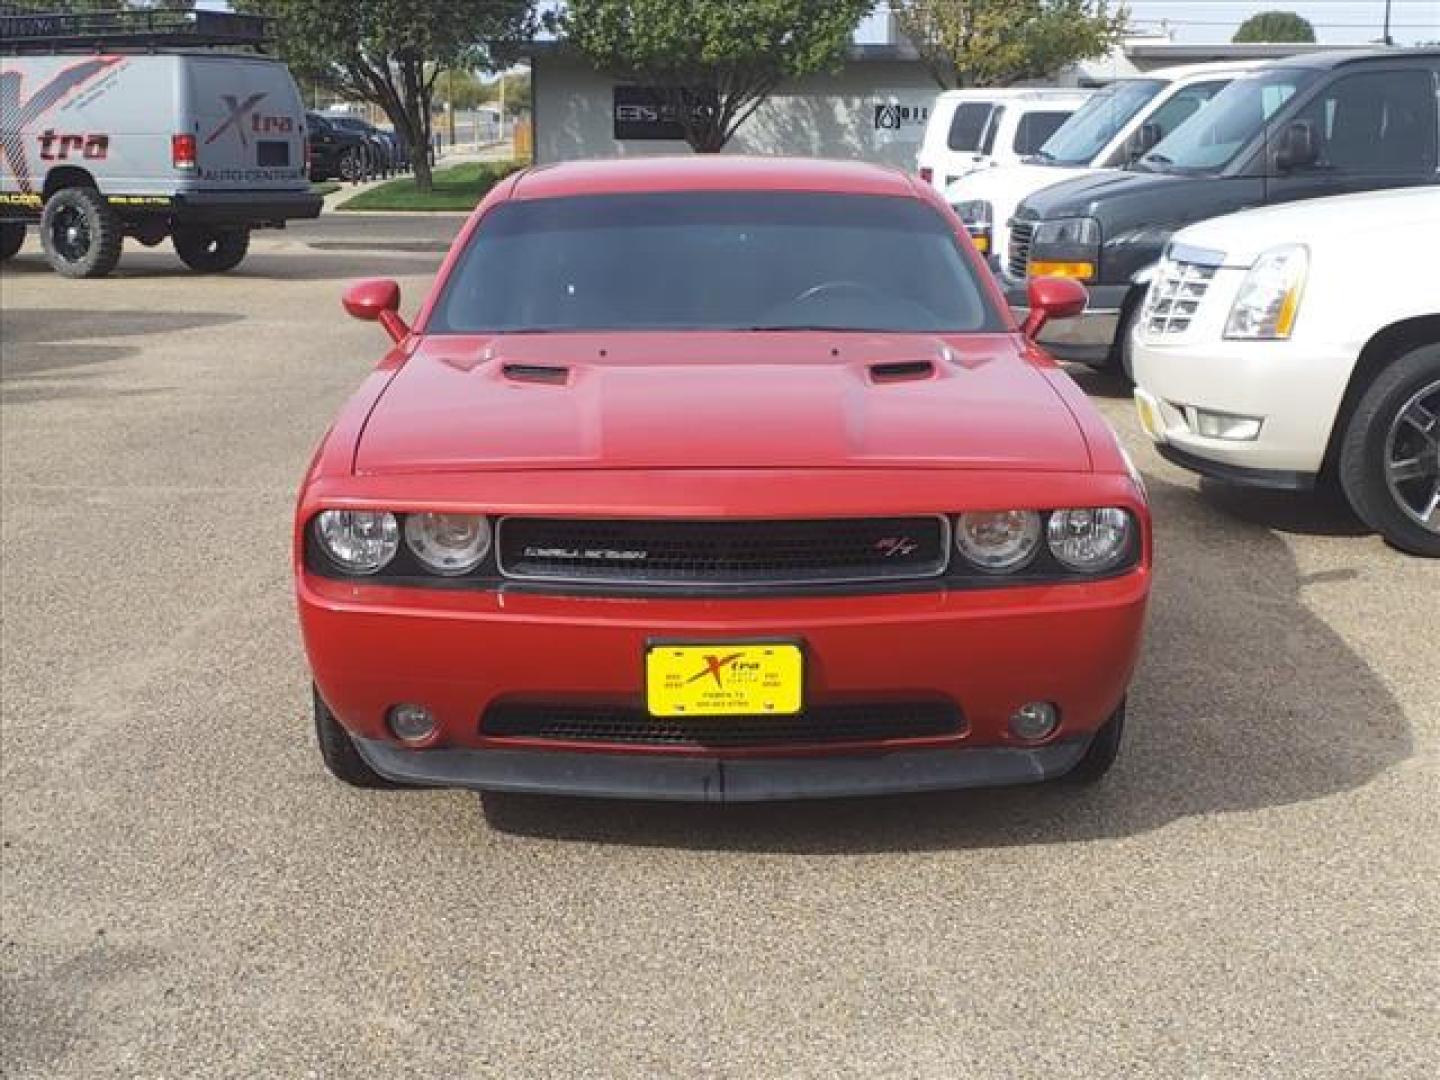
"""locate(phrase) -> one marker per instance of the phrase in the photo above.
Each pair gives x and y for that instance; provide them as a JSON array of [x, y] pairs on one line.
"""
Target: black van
[[1321, 124]]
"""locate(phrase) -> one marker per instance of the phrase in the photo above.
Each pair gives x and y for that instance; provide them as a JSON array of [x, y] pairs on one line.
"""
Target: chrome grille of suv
[[1018, 258], [726, 553], [1175, 296]]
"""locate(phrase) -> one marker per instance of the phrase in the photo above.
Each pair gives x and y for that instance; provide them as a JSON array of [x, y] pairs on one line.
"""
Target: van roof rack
[[128, 30]]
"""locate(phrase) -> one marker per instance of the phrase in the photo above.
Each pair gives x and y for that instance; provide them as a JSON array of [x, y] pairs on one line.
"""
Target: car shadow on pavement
[[1323, 512], [298, 265], [1100, 384], [1245, 700]]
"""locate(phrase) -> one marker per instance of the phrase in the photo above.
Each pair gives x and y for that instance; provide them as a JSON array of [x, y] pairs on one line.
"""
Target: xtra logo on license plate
[[724, 679]]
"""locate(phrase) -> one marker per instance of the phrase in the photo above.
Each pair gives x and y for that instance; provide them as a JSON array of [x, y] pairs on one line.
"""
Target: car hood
[[719, 400], [1079, 197]]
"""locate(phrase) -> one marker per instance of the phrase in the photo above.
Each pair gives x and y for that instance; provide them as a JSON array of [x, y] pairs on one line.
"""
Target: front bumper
[[988, 651], [720, 780], [1087, 339], [1293, 388]]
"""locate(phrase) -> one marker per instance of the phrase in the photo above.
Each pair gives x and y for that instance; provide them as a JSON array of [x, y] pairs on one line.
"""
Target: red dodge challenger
[[718, 479]]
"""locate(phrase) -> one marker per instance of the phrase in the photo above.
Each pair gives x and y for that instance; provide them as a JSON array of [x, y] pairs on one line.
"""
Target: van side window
[[1035, 128], [1185, 104], [1376, 122], [968, 125]]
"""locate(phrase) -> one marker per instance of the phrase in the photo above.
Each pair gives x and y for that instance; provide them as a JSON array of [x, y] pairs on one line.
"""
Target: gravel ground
[[1252, 893]]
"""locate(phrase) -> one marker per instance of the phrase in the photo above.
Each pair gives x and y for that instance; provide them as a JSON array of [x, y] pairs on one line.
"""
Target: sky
[[1336, 22]]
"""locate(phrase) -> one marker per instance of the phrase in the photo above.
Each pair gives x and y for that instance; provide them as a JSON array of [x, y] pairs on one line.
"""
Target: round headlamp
[[448, 544], [1090, 541], [1000, 541], [358, 541]]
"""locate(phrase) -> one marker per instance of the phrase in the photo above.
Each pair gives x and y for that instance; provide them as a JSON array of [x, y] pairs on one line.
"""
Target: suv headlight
[[1067, 232], [974, 212], [1269, 297]]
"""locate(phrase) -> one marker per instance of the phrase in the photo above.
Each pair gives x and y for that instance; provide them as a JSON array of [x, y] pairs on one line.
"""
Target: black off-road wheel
[[1103, 750], [211, 251], [12, 239], [1390, 456], [338, 751], [81, 233]]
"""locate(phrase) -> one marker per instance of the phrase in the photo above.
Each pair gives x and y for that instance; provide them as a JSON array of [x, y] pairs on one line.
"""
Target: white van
[[1111, 129], [980, 129]]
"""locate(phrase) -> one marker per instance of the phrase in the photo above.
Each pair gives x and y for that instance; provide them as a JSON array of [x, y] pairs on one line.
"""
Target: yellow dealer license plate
[[724, 679]]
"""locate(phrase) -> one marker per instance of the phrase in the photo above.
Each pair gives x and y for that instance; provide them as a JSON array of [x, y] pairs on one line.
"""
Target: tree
[[1001, 42], [391, 52], [712, 61], [1275, 26]]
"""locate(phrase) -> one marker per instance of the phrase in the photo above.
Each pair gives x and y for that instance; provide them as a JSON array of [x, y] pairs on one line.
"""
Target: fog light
[[411, 723], [1219, 425], [1034, 720]]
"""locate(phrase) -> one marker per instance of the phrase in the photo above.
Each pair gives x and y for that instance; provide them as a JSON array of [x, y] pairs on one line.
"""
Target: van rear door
[[248, 122]]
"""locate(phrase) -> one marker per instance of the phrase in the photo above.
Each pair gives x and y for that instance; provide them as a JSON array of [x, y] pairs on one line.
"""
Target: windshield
[[1092, 126], [1212, 138], [714, 260]]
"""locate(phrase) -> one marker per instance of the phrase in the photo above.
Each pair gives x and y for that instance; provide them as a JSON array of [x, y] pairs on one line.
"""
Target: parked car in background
[[1281, 346], [383, 159], [336, 152], [1116, 126], [1301, 128], [119, 128], [980, 129], [718, 479]]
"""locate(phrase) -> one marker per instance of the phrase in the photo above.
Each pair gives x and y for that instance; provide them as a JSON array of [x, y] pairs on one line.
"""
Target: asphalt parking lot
[[1253, 892]]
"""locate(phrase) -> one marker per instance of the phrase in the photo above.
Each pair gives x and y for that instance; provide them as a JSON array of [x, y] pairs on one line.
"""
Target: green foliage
[[1002, 42], [1270, 26], [714, 61], [391, 52], [460, 187]]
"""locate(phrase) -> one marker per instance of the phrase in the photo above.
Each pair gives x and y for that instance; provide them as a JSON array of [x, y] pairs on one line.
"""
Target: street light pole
[[1387, 38]]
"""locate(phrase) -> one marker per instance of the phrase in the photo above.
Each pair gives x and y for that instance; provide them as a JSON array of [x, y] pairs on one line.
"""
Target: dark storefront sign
[[641, 113]]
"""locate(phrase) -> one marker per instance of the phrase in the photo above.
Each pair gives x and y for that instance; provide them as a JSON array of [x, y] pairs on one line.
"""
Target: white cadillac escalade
[[1288, 346]]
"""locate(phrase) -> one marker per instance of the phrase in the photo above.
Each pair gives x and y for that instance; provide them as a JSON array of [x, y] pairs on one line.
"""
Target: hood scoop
[[901, 371], [548, 374]]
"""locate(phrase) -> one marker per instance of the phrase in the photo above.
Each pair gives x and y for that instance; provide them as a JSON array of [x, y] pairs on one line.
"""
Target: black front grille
[[875, 722], [1018, 258], [723, 553]]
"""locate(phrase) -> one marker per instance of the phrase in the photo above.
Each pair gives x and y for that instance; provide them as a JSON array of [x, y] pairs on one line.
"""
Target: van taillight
[[926, 173], [182, 151]]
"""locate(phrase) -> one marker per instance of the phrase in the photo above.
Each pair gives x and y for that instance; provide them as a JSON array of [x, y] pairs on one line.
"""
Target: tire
[[350, 167], [1398, 421], [337, 750], [12, 239], [211, 251], [1101, 754], [1122, 358], [81, 233]]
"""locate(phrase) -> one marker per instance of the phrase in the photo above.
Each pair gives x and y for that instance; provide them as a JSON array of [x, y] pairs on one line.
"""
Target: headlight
[[448, 544], [1000, 541], [974, 211], [358, 541], [1269, 297], [1067, 232], [1090, 541]]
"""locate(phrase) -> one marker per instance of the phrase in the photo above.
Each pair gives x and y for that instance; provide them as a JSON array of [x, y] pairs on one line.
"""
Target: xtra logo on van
[[243, 115]]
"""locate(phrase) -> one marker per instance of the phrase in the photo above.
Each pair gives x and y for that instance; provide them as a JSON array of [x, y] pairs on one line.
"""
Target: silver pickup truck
[[116, 125]]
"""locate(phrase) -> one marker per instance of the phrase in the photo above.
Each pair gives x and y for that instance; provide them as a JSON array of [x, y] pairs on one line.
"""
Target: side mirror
[[377, 300], [1145, 140], [1053, 298], [1297, 147]]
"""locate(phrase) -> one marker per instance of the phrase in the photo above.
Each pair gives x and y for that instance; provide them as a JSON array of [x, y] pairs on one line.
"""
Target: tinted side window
[[1184, 105], [967, 126], [1376, 122], [1035, 129]]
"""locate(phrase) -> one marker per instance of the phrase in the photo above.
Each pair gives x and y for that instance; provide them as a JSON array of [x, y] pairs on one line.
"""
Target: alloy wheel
[[1412, 457]]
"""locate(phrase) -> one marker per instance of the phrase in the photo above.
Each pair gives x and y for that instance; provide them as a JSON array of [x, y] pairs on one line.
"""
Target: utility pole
[[450, 102], [1387, 38], [502, 106]]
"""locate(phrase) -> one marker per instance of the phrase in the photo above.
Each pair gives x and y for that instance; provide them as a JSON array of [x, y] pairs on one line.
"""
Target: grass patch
[[458, 187], [324, 188]]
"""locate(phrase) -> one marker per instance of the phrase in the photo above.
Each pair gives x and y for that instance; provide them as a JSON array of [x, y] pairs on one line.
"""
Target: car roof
[[709, 172], [1011, 93], [1336, 57], [1190, 71]]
